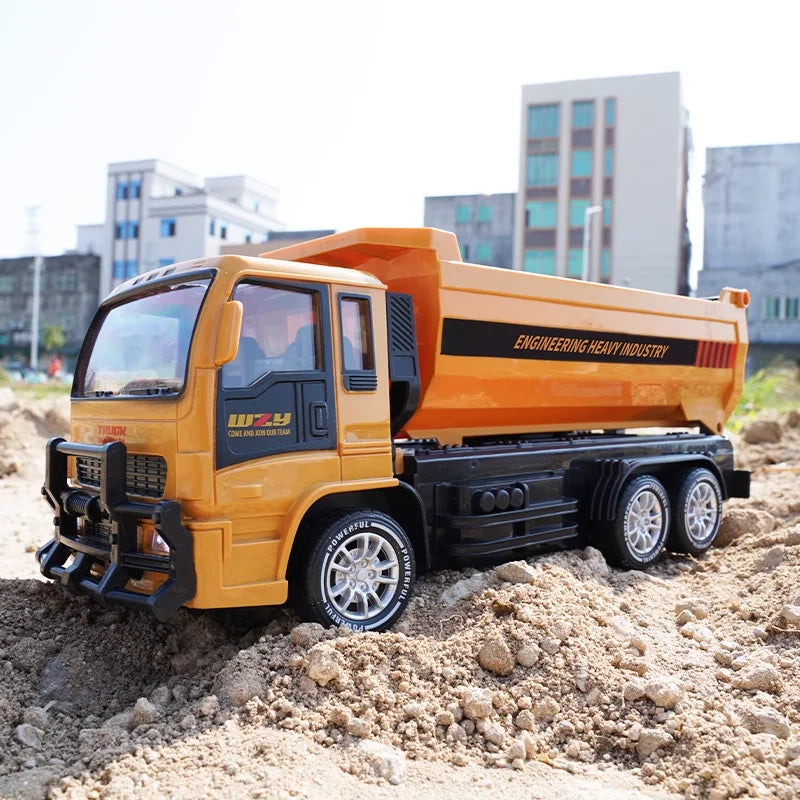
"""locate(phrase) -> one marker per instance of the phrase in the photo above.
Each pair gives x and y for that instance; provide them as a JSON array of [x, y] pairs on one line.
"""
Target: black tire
[[697, 512], [635, 539], [373, 591]]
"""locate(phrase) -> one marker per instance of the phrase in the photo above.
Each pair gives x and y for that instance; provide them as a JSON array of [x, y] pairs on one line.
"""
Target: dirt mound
[[681, 679]]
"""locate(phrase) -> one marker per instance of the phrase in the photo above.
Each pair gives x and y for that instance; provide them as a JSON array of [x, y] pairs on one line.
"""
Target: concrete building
[[484, 224], [615, 151], [751, 198], [157, 214], [68, 298]]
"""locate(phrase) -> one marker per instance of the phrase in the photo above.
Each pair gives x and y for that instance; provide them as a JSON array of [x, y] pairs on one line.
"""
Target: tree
[[53, 338]]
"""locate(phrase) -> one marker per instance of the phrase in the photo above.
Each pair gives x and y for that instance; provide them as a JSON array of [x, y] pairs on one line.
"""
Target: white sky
[[354, 110]]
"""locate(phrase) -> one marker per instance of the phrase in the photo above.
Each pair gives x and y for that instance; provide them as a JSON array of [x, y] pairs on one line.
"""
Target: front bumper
[[118, 551]]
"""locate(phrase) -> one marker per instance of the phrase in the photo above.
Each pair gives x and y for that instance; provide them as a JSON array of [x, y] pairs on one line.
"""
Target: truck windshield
[[141, 346]]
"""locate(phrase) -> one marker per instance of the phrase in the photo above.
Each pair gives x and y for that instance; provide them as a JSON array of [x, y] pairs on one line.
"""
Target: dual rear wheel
[[648, 520]]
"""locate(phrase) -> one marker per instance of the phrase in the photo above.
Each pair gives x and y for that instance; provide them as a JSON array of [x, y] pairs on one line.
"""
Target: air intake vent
[[401, 323], [147, 475], [362, 382]]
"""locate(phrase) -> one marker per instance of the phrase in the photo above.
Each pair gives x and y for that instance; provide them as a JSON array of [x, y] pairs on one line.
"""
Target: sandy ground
[[555, 677]]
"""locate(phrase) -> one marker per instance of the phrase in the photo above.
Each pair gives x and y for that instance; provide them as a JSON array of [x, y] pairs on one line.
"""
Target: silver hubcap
[[362, 576], [702, 510], [645, 523]]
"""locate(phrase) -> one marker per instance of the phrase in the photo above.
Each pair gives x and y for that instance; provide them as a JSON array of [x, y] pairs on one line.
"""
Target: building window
[[484, 213], [131, 269], [611, 112], [583, 114], [542, 122], [772, 308], [126, 230], [212, 226], [135, 190], [122, 191], [541, 261], [543, 169], [119, 230], [462, 214], [605, 263], [577, 212], [464, 249], [6, 283], [607, 211], [248, 237], [133, 230], [581, 163], [608, 162], [541, 214], [178, 191], [167, 227], [483, 254], [165, 262], [575, 262], [119, 270], [792, 308], [223, 230]]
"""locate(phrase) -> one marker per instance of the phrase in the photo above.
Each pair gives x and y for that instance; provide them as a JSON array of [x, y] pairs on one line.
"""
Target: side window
[[358, 355], [280, 333]]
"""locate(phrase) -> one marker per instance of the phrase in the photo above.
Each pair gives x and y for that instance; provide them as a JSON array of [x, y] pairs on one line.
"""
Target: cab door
[[277, 395]]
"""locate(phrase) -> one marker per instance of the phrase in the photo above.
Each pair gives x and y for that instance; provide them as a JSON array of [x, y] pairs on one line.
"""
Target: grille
[[147, 475], [361, 383]]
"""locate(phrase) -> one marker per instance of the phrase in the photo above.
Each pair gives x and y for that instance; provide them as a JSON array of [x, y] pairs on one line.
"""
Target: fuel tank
[[503, 352]]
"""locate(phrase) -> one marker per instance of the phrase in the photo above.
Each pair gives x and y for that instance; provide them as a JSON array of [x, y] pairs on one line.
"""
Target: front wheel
[[636, 537], [359, 572], [698, 512]]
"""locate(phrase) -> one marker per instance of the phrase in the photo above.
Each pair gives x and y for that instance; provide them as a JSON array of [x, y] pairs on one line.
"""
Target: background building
[[751, 198], [157, 214], [618, 146], [484, 224], [276, 240], [68, 295]]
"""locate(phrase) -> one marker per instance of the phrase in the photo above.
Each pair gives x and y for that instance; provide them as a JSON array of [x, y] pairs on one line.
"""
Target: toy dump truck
[[320, 423]]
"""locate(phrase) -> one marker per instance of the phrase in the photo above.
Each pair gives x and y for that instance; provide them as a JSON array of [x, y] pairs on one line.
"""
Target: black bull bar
[[118, 552]]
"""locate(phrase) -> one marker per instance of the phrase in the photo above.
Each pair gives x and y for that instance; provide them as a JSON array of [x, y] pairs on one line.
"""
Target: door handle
[[319, 419]]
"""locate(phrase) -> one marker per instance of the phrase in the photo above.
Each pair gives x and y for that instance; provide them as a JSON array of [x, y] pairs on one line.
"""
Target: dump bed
[[504, 352]]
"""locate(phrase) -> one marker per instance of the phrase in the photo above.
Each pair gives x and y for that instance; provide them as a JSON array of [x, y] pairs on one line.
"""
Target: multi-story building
[[275, 241], [68, 298], [751, 198], [607, 155], [484, 224], [157, 214]]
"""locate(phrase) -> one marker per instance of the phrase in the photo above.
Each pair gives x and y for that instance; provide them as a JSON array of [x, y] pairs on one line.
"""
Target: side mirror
[[230, 326]]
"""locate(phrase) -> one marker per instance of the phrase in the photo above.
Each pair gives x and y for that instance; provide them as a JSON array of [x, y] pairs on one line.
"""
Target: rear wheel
[[636, 537], [698, 512], [358, 573]]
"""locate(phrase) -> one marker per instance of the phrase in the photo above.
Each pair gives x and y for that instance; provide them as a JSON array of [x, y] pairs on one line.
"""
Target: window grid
[[581, 163], [541, 214], [543, 121], [583, 114], [542, 262], [543, 169]]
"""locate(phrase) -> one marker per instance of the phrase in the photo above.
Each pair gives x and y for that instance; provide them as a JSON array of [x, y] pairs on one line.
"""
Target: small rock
[[464, 588], [573, 749], [188, 723], [698, 608], [456, 733], [791, 614], [444, 718], [762, 431], [793, 419], [516, 750], [144, 712], [771, 559], [161, 696], [123, 721], [493, 732], [652, 739], [762, 677], [383, 761], [528, 655], [234, 686], [633, 690], [28, 735], [36, 716], [595, 561], [550, 645], [561, 629], [738, 522], [209, 706], [765, 720], [700, 633], [516, 572], [664, 692], [359, 727], [306, 634], [525, 720], [324, 664], [545, 708], [477, 704], [495, 656]]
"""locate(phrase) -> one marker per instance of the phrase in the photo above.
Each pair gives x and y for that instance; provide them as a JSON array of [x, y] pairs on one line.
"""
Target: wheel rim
[[645, 523], [362, 576], [702, 512]]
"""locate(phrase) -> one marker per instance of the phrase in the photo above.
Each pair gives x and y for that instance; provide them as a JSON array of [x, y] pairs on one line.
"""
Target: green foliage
[[40, 391], [53, 338], [776, 388]]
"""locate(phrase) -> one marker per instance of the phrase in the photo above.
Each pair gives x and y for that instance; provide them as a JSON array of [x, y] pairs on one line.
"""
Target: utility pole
[[33, 247]]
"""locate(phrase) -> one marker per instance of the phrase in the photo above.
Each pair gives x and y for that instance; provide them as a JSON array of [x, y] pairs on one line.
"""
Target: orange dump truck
[[320, 423]]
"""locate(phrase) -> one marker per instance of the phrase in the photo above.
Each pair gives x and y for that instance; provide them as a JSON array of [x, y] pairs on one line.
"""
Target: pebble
[[144, 712], [633, 690], [664, 692], [545, 708], [209, 706], [36, 716], [324, 664], [477, 704], [28, 735], [771, 559], [306, 634], [765, 720], [550, 645], [516, 572], [494, 732], [528, 655], [791, 614], [759, 676], [495, 656], [464, 588], [652, 739], [525, 720], [383, 761]]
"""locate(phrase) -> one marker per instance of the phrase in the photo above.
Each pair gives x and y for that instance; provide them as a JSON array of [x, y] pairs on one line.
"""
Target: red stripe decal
[[698, 362], [732, 355], [711, 354]]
